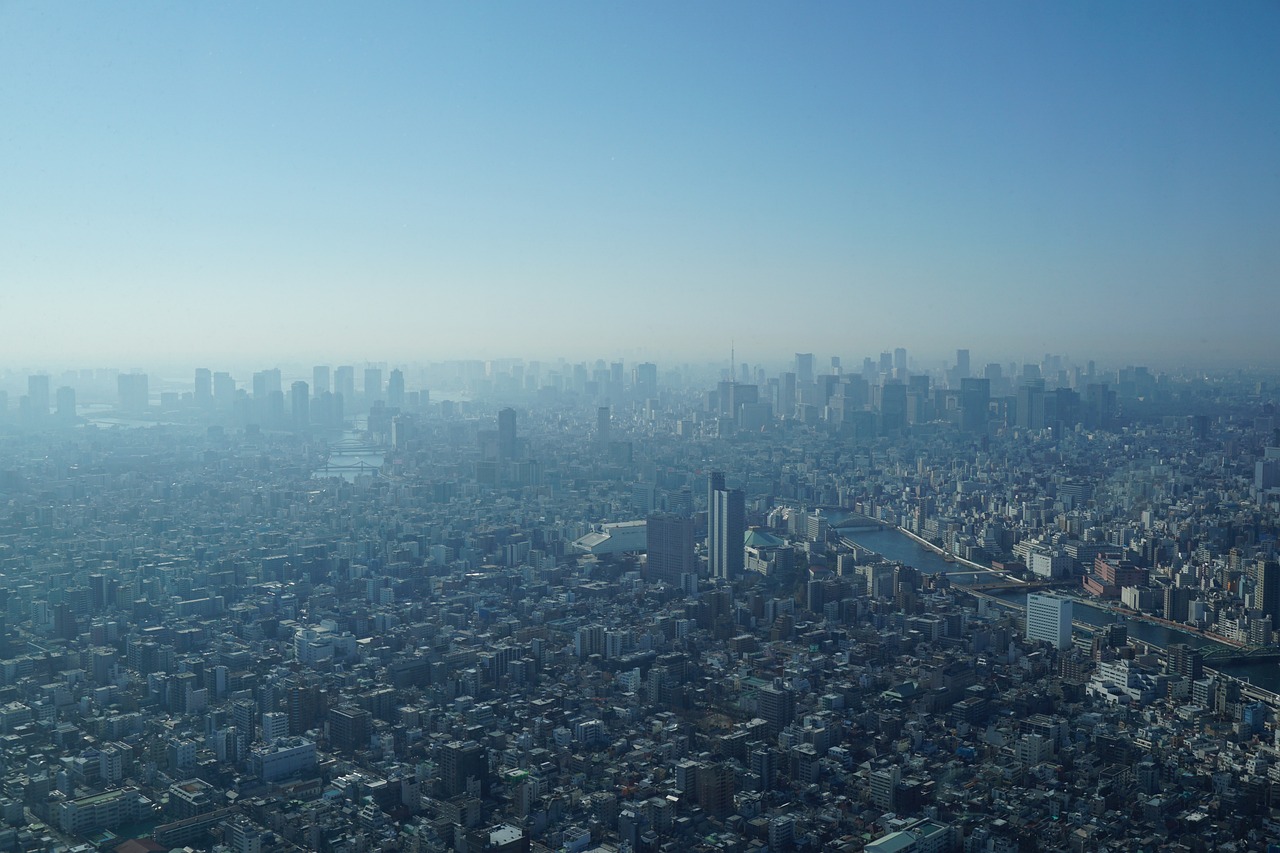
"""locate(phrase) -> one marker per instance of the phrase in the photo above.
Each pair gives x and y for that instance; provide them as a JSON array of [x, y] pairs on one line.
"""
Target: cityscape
[[634, 607], [616, 427]]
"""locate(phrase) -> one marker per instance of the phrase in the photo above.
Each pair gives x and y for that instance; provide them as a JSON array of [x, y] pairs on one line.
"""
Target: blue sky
[[401, 181]]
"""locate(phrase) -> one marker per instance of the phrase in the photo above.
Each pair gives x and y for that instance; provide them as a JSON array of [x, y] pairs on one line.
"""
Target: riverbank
[[947, 555]]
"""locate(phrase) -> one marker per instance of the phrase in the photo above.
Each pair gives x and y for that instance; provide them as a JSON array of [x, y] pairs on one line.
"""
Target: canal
[[893, 545]]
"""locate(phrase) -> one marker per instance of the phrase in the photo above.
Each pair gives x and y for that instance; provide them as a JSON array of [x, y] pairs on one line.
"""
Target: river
[[895, 546]]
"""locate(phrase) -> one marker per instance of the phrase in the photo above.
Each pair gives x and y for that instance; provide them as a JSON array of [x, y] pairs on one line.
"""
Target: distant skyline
[[317, 182]]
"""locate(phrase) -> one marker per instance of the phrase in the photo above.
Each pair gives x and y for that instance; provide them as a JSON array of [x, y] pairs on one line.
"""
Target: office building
[[1266, 589], [804, 367], [602, 426], [464, 768], [300, 400], [507, 434], [38, 394], [66, 404], [395, 389], [975, 401], [203, 387], [726, 527], [372, 385], [320, 379], [344, 384], [670, 547], [1049, 619], [133, 393]]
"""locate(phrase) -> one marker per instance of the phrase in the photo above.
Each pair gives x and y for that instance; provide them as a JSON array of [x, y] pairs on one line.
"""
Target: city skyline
[[414, 183]]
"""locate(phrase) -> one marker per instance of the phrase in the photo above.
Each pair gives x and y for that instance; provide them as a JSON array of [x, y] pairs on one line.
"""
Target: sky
[[400, 181]]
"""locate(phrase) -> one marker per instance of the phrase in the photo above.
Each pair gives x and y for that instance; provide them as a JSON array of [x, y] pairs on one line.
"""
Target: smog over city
[[639, 428]]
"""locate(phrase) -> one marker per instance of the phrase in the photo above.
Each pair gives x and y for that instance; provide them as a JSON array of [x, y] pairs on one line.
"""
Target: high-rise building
[[132, 388], [787, 396], [320, 379], [670, 547], [962, 364], [464, 764], [715, 788], [804, 367], [204, 388], [66, 402], [602, 426], [726, 527], [975, 400], [507, 434], [1049, 619], [349, 729], [373, 391], [395, 389], [1186, 662], [777, 707], [344, 383], [1266, 588], [300, 400], [38, 394], [900, 360], [645, 380], [224, 391]]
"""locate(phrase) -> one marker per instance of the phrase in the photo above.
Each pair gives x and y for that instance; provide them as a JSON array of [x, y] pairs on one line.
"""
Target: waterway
[[350, 457], [893, 545]]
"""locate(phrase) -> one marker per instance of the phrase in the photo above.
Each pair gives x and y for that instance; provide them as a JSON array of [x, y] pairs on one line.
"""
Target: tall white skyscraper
[[1049, 619]]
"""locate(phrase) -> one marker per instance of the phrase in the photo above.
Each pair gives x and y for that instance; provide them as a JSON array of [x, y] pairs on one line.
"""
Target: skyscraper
[[300, 400], [670, 547], [66, 400], [962, 364], [395, 389], [204, 387], [372, 385], [1266, 588], [38, 394], [507, 434], [132, 388], [320, 379], [344, 381], [1049, 619], [975, 400], [804, 367], [602, 427], [727, 524]]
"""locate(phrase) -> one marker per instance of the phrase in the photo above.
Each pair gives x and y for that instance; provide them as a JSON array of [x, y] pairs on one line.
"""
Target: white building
[[1049, 619]]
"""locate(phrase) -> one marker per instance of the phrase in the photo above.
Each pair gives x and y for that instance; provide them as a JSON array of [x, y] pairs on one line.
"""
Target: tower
[[320, 379], [804, 367], [975, 399], [507, 434], [300, 400], [38, 394], [204, 387], [727, 524], [602, 426], [395, 389], [372, 385], [1266, 588]]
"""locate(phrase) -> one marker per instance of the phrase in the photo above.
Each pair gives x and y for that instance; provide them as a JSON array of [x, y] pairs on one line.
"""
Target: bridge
[[342, 449], [1220, 655], [1031, 586]]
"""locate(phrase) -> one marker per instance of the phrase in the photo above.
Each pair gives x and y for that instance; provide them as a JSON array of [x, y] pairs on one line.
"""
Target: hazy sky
[[419, 180]]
